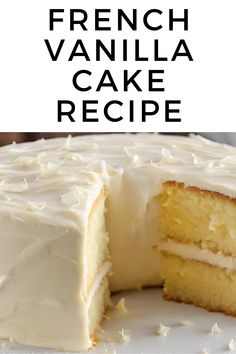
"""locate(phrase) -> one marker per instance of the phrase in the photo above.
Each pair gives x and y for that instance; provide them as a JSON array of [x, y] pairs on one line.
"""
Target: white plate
[[146, 309]]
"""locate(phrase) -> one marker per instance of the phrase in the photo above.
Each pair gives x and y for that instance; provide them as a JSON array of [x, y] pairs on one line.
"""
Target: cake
[[76, 212]]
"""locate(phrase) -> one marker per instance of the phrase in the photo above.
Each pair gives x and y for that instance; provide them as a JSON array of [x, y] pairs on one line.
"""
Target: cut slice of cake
[[54, 258], [198, 253]]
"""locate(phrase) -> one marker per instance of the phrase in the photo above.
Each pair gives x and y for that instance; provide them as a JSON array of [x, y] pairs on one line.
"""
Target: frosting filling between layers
[[190, 251], [105, 269]]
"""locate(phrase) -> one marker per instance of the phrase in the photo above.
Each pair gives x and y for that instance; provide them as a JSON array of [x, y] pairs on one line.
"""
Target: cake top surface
[[39, 190], [58, 176]]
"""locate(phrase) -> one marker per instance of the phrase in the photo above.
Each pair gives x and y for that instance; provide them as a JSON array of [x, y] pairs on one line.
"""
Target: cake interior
[[199, 283], [201, 217], [97, 240], [97, 308], [197, 254], [98, 265]]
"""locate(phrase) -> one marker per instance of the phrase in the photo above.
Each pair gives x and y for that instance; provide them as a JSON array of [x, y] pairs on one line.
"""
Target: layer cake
[[159, 209]]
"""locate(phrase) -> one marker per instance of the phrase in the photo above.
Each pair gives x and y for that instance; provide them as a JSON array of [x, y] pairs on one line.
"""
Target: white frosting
[[47, 189], [44, 298], [194, 161], [190, 251]]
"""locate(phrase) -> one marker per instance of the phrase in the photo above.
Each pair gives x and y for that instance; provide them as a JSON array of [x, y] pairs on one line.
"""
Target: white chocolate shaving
[[185, 323], [215, 328], [124, 335], [162, 330], [232, 345], [204, 351]]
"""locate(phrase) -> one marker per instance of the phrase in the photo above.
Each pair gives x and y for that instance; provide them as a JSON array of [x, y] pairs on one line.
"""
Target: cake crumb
[[204, 351], [185, 323], [215, 328], [162, 330], [124, 335], [120, 306], [232, 345]]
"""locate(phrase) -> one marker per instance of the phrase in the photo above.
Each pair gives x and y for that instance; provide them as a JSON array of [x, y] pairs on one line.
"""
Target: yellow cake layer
[[205, 218], [97, 241], [198, 283], [97, 308]]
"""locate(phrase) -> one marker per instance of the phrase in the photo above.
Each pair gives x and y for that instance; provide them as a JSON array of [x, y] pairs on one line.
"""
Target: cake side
[[48, 218], [42, 276]]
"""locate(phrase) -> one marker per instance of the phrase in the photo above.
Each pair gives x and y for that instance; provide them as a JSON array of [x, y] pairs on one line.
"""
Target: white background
[[31, 83]]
